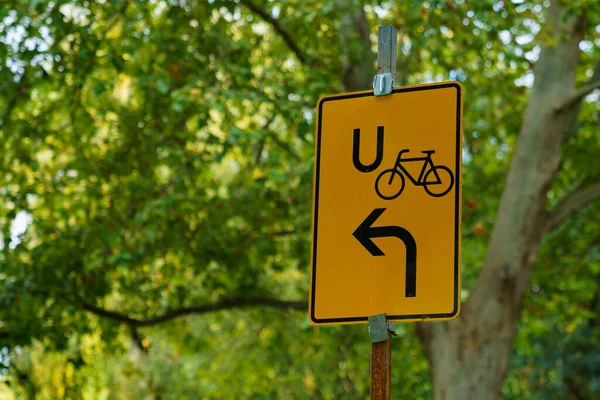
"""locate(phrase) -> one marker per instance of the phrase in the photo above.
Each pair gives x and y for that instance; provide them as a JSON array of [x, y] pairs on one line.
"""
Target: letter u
[[356, 151]]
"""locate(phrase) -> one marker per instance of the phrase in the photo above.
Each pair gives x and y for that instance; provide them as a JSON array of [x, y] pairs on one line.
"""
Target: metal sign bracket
[[385, 80]]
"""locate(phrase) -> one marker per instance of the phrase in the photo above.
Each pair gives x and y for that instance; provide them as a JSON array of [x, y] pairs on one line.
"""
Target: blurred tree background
[[156, 162]]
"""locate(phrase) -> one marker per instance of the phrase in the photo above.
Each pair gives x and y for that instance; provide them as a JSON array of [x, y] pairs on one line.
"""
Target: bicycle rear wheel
[[441, 186]]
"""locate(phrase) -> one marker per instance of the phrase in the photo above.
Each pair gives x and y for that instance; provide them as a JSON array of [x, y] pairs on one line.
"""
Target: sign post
[[386, 210], [381, 331]]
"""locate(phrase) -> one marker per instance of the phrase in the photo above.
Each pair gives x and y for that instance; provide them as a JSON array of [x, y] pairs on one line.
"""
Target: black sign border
[[455, 311]]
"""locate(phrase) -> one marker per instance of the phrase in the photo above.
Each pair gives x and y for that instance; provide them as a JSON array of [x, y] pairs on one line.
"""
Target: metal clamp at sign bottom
[[380, 329]]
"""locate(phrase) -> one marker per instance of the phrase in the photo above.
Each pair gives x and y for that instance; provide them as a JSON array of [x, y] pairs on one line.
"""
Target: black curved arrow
[[356, 151], [365, 233]]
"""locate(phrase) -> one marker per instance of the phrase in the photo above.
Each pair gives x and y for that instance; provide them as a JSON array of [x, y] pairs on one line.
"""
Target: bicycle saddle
[[428, 151]]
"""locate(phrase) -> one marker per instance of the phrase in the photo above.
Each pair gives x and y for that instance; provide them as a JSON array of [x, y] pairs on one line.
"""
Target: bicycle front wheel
[[440, 186], [389, 184]]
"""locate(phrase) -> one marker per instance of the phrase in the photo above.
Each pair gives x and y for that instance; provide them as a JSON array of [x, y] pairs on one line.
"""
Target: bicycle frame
[[428, 162]]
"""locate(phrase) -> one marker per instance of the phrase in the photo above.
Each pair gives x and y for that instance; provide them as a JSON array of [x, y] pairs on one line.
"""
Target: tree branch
[[137, 339], [261, 143], [572, 203], [594, 83], [584, 91], [194, 310], [285, 35], [283, 145]]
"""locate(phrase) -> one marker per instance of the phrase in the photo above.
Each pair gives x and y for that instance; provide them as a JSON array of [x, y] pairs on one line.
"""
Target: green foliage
[[163, 152]]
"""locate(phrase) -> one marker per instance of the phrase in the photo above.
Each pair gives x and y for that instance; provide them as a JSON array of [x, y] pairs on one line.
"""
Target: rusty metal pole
[[381, 371], [381, 357]]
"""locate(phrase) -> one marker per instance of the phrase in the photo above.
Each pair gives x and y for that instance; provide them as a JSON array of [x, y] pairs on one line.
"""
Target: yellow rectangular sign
[[387, 206]]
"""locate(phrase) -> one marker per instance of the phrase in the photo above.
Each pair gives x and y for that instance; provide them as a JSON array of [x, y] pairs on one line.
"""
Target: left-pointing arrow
[[366, 232]]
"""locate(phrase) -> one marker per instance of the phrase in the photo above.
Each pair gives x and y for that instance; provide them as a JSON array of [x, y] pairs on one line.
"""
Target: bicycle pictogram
[[437, 180]]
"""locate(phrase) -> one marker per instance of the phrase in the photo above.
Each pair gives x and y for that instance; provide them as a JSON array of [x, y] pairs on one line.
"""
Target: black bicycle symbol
[[437, 180]]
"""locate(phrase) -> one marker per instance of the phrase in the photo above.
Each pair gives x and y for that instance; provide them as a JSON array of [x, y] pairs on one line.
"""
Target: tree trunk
[[358, 59], [469, 356]]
